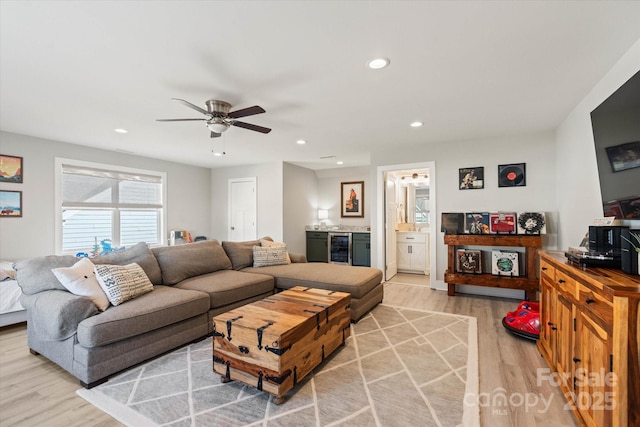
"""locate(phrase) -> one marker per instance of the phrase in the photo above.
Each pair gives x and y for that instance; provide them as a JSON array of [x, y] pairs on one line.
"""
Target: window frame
[[58, 198]]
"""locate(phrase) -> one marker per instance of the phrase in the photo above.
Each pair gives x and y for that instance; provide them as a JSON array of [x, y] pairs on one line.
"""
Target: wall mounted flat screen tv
[[616, 133]]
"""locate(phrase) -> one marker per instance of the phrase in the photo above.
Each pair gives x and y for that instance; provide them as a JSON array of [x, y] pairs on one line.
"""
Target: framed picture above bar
[[10, 204], [352, 199], [10, 169]]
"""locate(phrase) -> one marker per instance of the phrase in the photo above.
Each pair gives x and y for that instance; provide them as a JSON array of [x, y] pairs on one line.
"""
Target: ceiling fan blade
[[190, 105], [250, 111], [215, 134], [252, 127], [179, 120]]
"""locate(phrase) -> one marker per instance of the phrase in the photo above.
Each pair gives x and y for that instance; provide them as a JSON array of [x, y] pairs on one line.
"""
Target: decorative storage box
[[273, 343]]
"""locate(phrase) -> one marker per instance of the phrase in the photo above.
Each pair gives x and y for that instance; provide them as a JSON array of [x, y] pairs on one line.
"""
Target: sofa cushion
[[122, 282], [241, 253], [80, 279], [138, 253], [228, 286], [181, 262], [164, 306], [34, 275], [358, 281]]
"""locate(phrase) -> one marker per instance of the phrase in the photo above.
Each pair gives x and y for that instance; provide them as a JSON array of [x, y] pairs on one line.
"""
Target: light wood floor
[[36, 392]]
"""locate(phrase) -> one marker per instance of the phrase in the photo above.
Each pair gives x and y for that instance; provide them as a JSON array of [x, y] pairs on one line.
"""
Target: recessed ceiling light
[[416, 124], [301, 142], [120, 130], [378, 63], [217, 154], [339, 163]]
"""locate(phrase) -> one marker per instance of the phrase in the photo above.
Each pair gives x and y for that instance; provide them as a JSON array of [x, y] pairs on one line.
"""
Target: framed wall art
[[10, 204], [471, 178], [352, 199], [512, 175], [10, 169]]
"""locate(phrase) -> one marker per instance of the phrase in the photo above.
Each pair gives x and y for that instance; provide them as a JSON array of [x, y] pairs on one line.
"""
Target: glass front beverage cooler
[[339, 248]]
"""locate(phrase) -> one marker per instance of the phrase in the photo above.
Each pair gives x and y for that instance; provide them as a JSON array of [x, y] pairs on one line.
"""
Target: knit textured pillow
[[122, 282], [270, 255]]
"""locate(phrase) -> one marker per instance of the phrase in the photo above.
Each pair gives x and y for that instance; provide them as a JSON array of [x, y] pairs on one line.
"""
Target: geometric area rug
[[399, 367]]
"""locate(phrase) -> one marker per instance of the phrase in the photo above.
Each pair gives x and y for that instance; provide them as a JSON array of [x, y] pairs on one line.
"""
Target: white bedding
[[10, 296], [11, 311]]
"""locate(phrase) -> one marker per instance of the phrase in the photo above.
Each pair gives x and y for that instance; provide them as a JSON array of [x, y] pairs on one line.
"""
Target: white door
[[391, 220], [242, 209]]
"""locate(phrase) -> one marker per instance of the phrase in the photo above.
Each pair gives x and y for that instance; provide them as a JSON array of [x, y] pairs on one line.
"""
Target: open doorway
[[408, 198]]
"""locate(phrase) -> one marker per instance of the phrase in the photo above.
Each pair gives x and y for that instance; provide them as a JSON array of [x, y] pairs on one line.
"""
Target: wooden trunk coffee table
[[274, 343]]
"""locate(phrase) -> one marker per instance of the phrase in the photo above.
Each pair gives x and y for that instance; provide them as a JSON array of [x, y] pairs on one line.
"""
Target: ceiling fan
[[219, 118]]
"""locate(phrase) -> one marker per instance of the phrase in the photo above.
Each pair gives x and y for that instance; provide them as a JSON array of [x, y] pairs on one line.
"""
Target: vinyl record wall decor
[[512, 175]]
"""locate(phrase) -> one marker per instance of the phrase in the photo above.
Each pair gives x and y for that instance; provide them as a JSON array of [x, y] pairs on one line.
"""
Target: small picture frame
[[10, 169], [469, 261], [352, 199], [471, 178], [532, 223], [10, 204], [624, 156], [477, 223], [504, 263], [512, 175]]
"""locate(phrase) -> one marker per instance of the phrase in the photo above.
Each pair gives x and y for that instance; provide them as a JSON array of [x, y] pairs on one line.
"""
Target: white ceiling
[[74, 71]]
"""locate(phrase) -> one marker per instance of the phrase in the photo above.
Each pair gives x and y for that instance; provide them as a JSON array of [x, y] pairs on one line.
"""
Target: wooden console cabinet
[[527, 282], [589, 336]]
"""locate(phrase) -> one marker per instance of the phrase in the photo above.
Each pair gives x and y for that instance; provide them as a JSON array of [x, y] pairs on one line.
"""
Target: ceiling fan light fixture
[[217, 127]]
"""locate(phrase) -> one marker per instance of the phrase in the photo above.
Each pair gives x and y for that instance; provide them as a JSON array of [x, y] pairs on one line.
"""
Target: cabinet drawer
[[316, 235], [361, 237], [596, 304], [547, 270], [411, 237], [566, 284]]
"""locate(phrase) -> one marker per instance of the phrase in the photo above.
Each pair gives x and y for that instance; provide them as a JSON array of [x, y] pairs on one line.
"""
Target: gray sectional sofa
[[191, 284]]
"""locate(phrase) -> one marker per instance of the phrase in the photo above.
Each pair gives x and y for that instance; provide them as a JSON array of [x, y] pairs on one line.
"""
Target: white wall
[[300, 205], [539, 194], [329, 194], [188, 192], [269, 179], [578, 189]]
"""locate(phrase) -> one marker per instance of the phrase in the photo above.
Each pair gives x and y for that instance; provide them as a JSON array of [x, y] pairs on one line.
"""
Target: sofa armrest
[[297, 257], [55, 315]]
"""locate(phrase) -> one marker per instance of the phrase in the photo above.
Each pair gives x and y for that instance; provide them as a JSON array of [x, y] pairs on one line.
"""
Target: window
[[103, 202]]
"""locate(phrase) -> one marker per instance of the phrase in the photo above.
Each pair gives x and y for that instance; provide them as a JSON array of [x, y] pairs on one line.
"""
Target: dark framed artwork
[[10, 169], [624, 156], [10, 204], [471, 178], [352, 199], [512, 175]]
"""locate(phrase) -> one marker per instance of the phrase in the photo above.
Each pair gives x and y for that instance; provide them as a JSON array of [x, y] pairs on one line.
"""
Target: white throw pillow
[[6, 270], [80, 279], [270, 255], [122, 282]]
